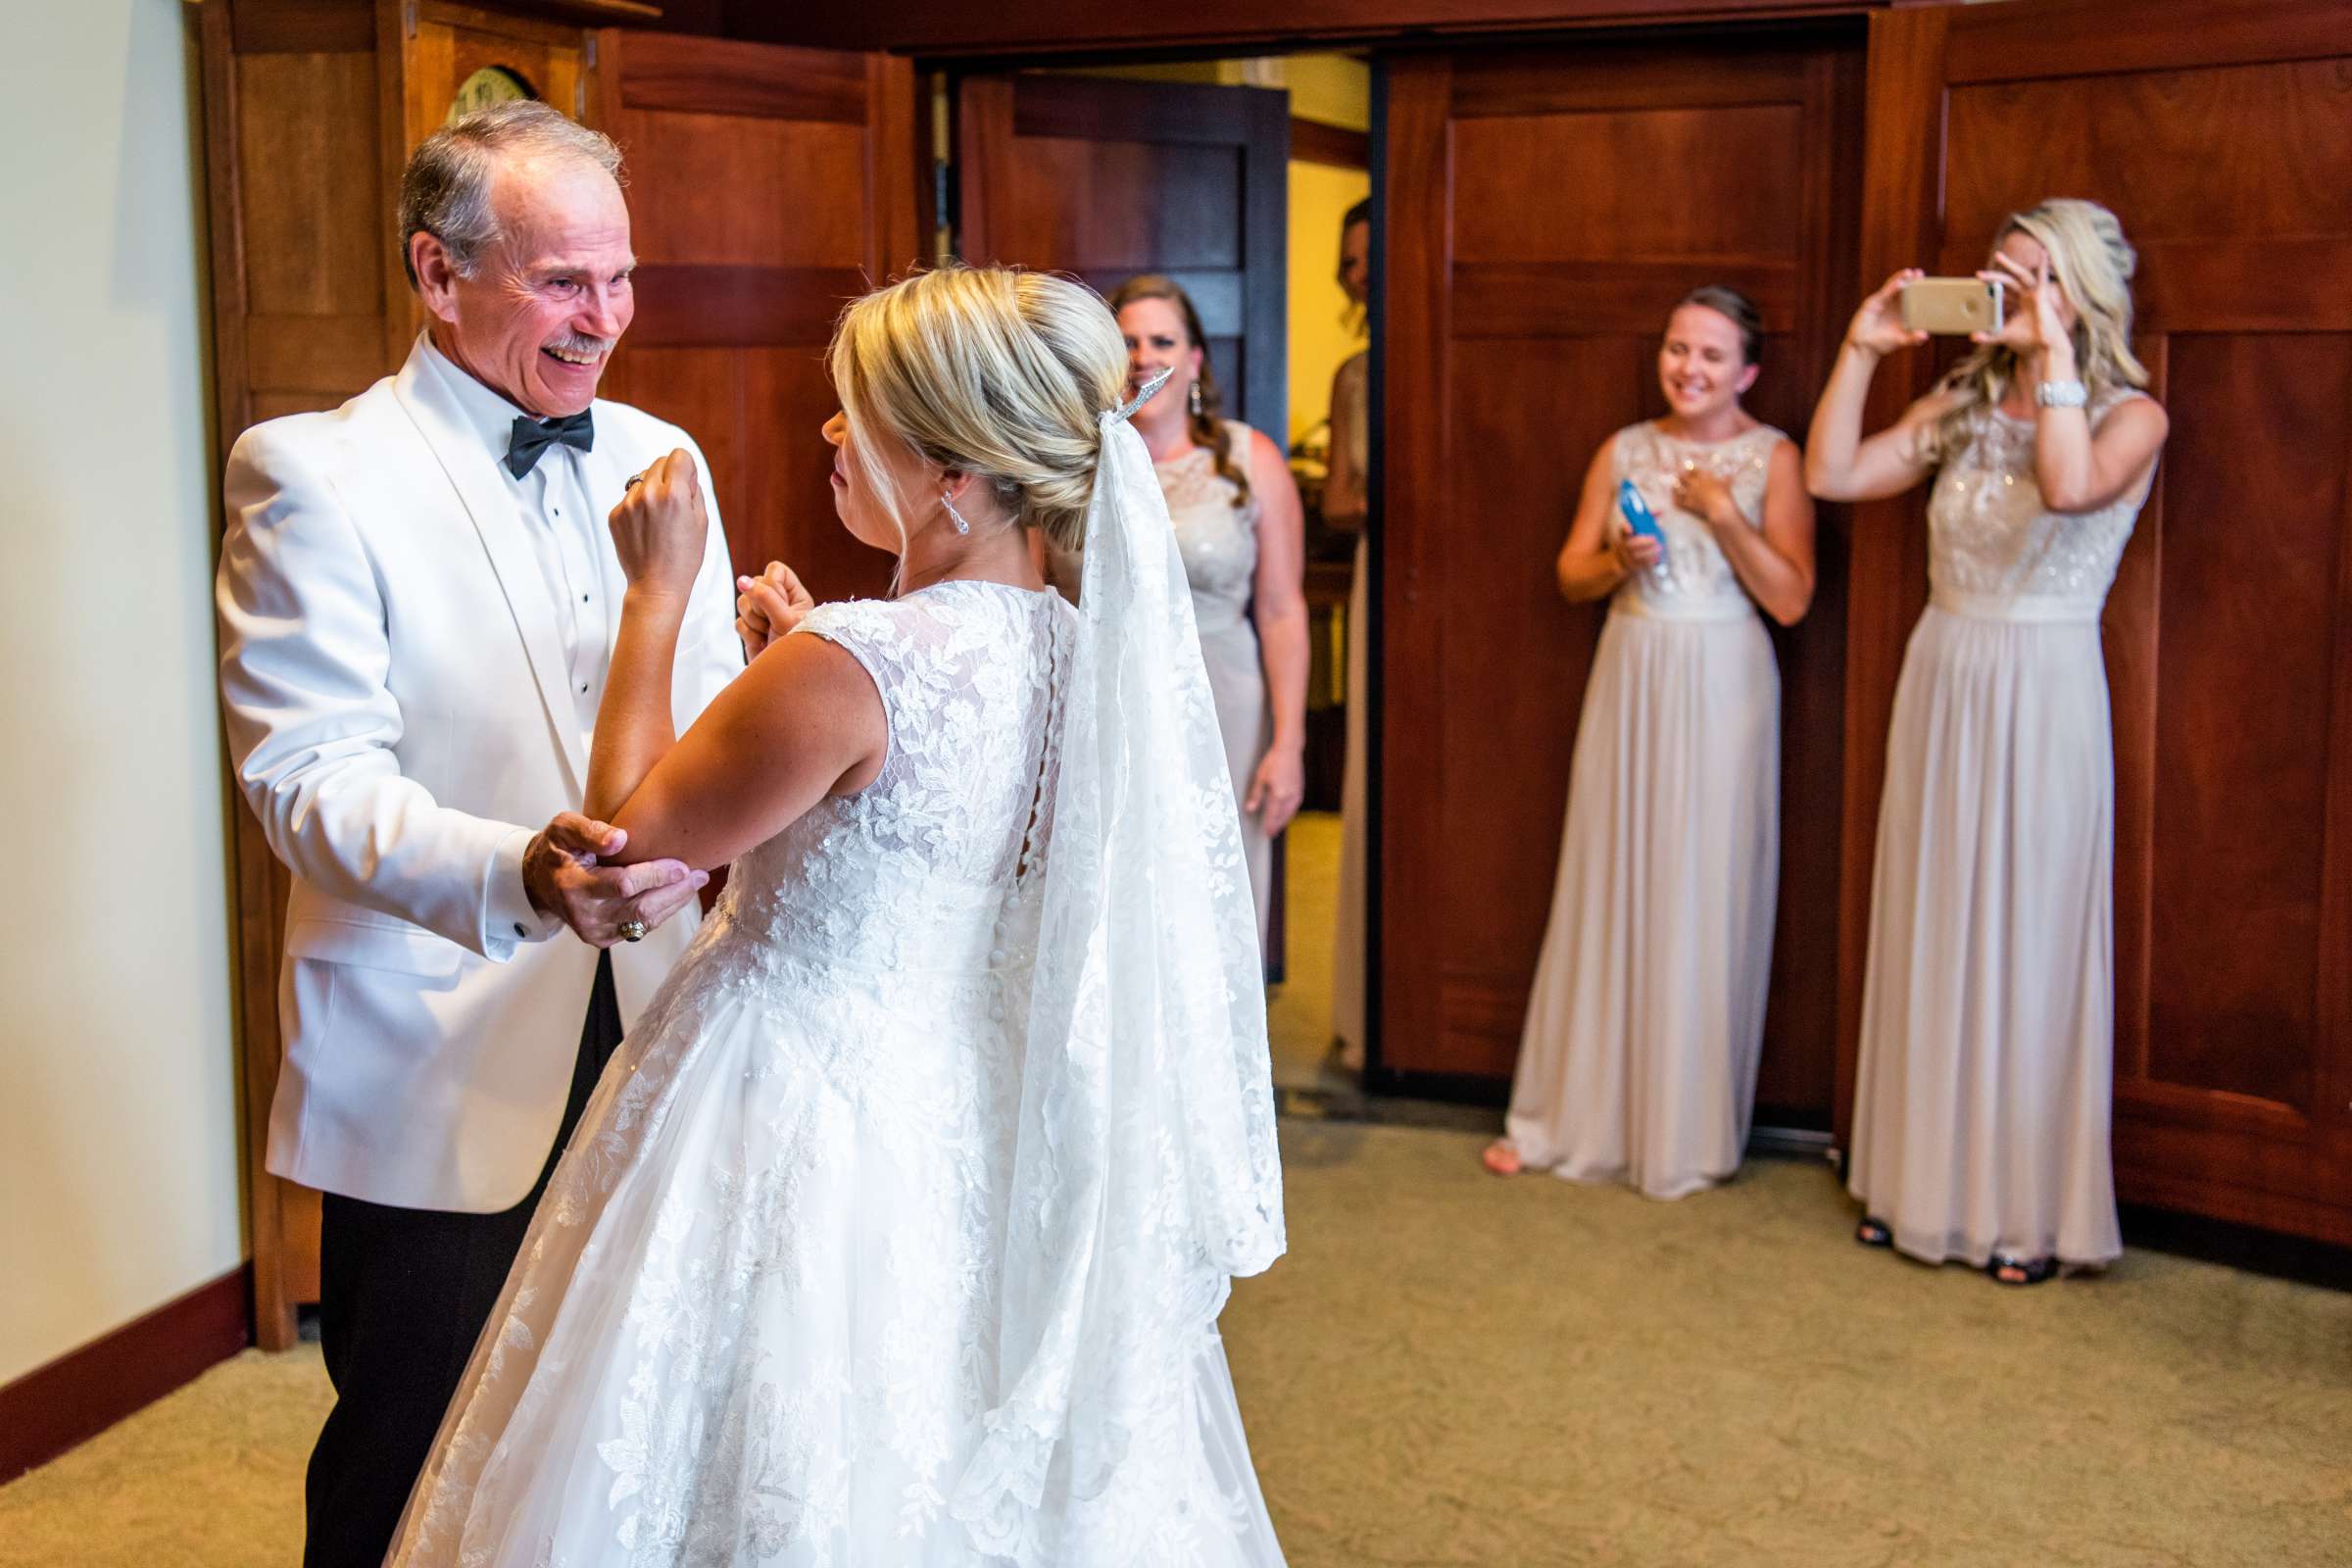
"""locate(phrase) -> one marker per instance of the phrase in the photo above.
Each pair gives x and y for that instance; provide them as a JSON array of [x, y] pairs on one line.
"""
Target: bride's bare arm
[[803, 721]]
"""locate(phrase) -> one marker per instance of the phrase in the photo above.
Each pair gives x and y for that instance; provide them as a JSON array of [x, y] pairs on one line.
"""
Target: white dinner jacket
[[394, 682]]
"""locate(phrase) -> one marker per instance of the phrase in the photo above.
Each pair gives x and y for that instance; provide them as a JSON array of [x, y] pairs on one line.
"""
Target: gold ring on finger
[[632, 930]]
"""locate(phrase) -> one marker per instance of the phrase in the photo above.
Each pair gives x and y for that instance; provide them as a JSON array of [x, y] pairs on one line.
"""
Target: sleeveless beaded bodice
[[1995, 549], [1217, 539], [1694, 581]]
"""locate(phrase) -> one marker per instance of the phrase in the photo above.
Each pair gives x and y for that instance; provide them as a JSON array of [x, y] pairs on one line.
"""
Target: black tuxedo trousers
[[403, 1294]]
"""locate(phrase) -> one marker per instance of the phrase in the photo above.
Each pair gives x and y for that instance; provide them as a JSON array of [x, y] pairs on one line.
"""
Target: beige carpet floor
[[1448, 1369]]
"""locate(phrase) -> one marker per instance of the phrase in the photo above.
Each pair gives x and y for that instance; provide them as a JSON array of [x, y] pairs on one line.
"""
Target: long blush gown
[[1348, 989], [1638, 1060], [1984, 1099], [1219, 544]]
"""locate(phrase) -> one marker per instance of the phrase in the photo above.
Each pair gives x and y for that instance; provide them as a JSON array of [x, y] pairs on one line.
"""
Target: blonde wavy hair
[[2091, 262], [988, 372]]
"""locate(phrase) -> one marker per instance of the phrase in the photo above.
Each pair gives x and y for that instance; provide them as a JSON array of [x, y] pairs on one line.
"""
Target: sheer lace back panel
[[925, 868], [1994, 550], [1217, 539], [1693, 581]]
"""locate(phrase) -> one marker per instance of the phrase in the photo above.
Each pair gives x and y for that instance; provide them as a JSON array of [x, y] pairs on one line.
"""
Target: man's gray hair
[[445, 192]]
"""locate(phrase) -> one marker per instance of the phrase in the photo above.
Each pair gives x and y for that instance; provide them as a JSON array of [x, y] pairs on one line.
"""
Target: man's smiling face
[[544, 307]]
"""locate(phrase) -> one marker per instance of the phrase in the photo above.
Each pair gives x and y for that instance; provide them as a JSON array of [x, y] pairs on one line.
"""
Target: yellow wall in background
[[1336, 89]]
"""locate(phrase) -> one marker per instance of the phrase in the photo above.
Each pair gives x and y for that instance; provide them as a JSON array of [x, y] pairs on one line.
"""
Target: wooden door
[[1106, 178], [2220, 132], [768, 186], [1544, 211]]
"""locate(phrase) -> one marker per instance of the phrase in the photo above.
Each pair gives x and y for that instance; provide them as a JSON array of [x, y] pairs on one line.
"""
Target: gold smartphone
[[1953, 306]]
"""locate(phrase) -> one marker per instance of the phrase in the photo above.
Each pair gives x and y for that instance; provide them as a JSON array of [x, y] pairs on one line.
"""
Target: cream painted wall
[[118, 1185]]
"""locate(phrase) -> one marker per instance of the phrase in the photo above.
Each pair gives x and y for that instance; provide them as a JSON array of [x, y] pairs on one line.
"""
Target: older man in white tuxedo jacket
[[417, 596]]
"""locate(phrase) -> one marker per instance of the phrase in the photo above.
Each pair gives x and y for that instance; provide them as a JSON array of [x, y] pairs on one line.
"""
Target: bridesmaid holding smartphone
[[1638, 1060], [1985, 1083]]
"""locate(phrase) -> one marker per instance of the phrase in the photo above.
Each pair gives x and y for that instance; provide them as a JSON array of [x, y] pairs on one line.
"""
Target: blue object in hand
[[1638, 514]]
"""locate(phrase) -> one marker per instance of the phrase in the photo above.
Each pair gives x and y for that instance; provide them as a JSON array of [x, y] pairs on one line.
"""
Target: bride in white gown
[[898, 1231]]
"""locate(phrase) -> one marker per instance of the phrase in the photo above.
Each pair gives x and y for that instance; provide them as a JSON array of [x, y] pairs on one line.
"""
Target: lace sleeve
[[868, 631]]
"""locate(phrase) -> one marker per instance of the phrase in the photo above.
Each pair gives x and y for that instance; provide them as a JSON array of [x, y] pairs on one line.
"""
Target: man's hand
[[767, 606], [559, 871]]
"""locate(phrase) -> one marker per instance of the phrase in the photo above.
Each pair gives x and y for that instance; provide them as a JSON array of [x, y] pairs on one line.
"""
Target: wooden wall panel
[[307, 161], [1735, 186], [760, 204], [2251, 617], [711, 189], [2215, 130], [1546, 209]]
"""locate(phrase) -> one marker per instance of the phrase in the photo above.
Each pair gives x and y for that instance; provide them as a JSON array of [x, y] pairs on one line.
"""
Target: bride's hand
[[658, 527], [768, 607]]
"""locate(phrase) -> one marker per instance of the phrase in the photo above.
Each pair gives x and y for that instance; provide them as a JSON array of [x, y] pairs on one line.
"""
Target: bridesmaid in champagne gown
[[1240, 528], [1638, 1059], [1347, 501], [1982, 1105]]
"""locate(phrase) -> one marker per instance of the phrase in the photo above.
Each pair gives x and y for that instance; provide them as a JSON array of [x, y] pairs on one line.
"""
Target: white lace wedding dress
[[757, 1317]]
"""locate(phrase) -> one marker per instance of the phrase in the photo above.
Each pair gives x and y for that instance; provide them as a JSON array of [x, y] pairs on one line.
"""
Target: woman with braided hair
[[1241, 528]]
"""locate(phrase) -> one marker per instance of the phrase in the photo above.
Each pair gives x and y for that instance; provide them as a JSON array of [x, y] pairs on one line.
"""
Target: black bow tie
[[532, 438]]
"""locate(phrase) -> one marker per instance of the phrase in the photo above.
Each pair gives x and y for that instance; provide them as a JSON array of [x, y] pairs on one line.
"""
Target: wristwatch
[[2062, 394]]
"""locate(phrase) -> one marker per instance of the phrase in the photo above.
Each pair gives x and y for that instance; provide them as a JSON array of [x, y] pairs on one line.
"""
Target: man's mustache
[[585, 347]]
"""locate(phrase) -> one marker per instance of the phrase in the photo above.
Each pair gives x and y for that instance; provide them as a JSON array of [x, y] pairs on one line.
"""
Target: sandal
[[1501, 1158], [1874, 1233], [2017, 1272]]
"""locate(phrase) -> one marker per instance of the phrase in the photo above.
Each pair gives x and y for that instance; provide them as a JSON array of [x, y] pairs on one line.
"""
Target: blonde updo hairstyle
[[2091, 262], [988, 372]]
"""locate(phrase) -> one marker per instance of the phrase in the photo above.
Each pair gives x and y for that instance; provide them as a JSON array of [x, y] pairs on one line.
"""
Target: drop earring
[[1195, 400], [954, 516]]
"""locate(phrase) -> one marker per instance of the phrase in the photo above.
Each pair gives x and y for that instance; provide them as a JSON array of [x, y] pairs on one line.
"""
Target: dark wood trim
[[83, 1392], [2080, 37], [255, 970], [1413, 263], [1051, 29], [224, 221], [1314, 142], [1903, 122]]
